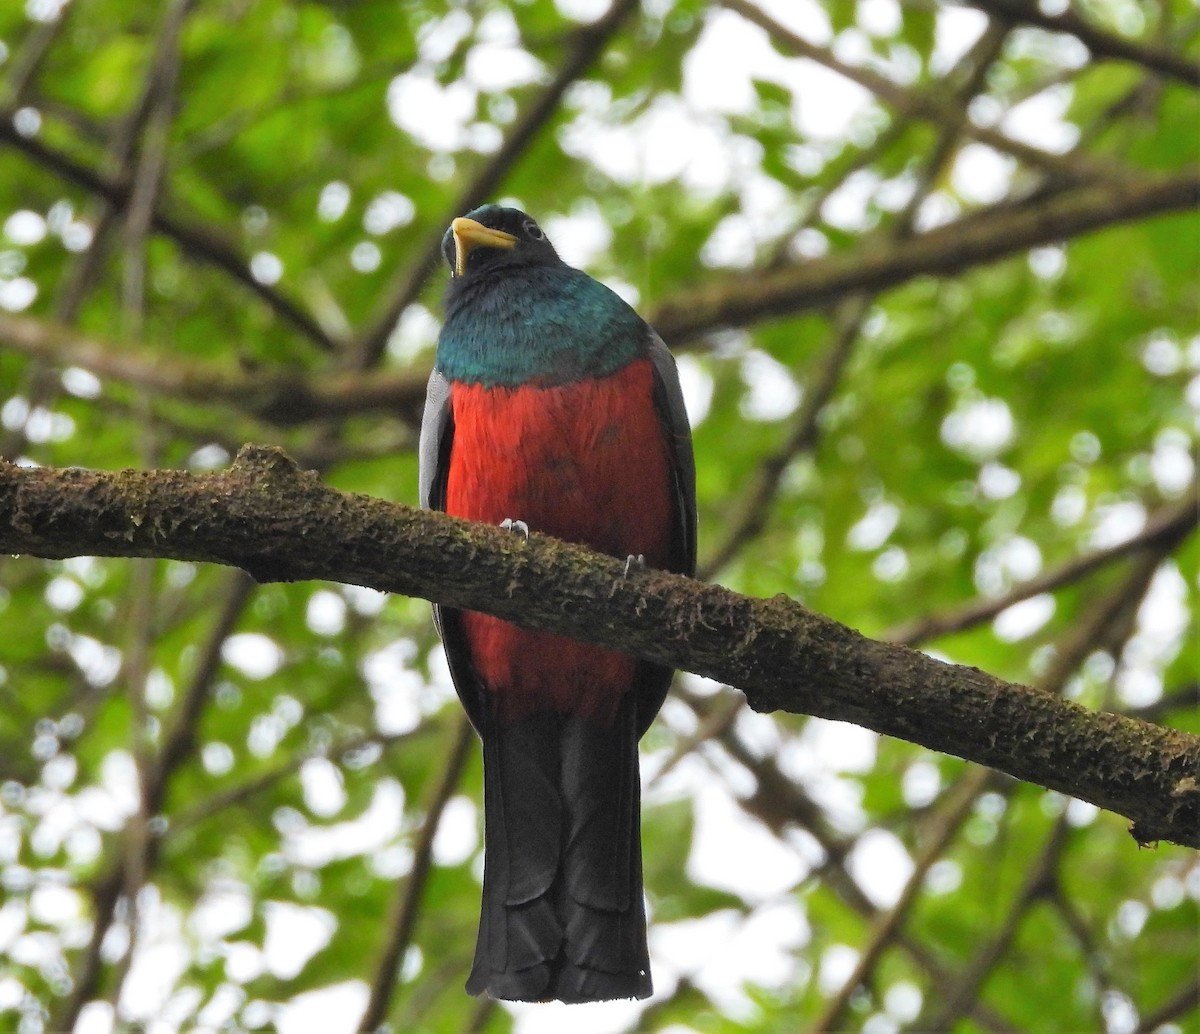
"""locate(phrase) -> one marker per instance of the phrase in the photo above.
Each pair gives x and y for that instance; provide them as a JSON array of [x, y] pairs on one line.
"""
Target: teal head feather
[[517, 314]]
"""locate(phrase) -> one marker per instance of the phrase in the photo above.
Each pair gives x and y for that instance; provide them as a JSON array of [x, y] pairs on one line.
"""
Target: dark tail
[[563, 916]]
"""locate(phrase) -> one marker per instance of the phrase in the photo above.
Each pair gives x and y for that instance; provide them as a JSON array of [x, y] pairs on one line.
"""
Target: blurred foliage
[[987, 427]]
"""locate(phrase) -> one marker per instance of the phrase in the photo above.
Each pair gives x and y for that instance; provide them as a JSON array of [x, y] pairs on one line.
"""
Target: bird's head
[[493, 236]]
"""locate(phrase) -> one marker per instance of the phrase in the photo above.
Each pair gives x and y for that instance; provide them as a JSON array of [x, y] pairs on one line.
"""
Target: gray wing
[[433, 454], [653, 680], [437, 428], [671, 410]]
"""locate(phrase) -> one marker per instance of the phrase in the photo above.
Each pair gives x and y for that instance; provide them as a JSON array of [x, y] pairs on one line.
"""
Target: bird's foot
[[634, 563], [520, 527]]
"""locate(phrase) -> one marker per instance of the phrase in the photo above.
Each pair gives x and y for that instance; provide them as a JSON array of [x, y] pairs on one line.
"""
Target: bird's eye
[[533, 231]]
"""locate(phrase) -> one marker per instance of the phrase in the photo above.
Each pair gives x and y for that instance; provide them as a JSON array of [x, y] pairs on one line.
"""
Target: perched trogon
[[554, 407]]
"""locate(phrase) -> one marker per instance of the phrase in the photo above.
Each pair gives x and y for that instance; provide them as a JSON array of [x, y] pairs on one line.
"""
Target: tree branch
[[955, 1001], [847, 320], [1100, 44], [1171, 524], [179, 741], [281, 397], [285, 398], [1184, 1001], [282, 524], [195, 239], [929, 105], [403, 919], [887, 924], [948, 250]]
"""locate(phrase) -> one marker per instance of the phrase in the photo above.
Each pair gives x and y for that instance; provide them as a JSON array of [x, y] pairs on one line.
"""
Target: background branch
[[1101, 44], [194, 238], [947, 250], [275, 395]]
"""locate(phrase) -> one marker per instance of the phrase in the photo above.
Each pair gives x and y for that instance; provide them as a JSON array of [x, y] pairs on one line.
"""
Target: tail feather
[[601, 804], [525, 761], [563, 915]]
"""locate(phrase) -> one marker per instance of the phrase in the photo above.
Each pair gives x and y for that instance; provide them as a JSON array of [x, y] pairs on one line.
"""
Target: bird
[[553, 406]]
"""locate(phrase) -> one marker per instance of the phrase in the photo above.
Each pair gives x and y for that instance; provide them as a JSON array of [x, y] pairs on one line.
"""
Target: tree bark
[[280, 523]]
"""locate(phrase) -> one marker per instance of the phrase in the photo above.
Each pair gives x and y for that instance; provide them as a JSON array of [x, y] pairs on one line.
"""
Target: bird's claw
[[634, 563], [508, 524]]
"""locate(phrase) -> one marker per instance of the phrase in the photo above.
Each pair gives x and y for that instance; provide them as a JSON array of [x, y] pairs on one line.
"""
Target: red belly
[[586, 462]]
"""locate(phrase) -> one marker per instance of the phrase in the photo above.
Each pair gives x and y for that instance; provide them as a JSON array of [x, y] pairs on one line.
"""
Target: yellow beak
[[468, 235]]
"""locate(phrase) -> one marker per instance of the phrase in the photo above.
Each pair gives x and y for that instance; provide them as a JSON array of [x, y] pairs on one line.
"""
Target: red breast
[[585, 462]]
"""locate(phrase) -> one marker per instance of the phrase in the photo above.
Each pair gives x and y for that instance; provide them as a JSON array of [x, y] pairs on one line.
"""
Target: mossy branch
[[280, 523]]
